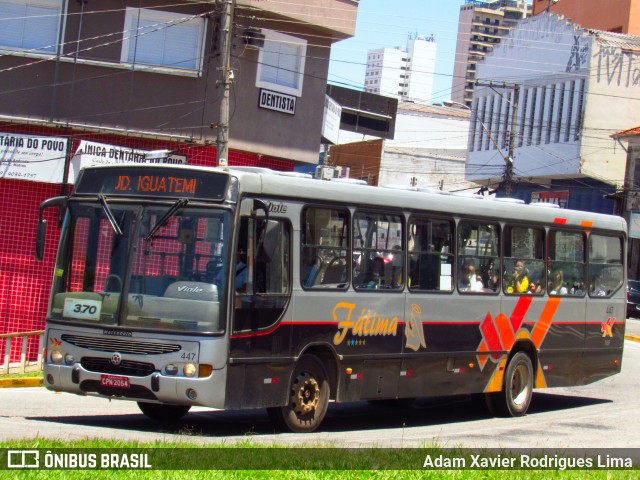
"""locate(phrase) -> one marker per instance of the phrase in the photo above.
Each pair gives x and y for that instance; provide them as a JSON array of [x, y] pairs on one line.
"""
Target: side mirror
[[41, 232]]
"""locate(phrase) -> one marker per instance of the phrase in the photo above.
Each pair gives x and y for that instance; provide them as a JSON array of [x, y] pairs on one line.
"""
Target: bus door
[[379, 302], [606, 313], [261, 289]]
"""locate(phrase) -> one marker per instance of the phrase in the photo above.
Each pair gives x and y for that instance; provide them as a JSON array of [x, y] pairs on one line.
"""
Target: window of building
[[281, 63], [31, 25], [163, 39]]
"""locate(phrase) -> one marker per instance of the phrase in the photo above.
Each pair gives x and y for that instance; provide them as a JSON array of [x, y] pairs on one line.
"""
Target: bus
[[246, 288]]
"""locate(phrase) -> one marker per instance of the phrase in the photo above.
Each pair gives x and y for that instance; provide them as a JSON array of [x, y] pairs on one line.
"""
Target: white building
[[576, 88], [403, 73]]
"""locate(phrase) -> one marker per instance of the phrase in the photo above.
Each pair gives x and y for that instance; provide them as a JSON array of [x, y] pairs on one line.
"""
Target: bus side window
[[324, 248], [567, 255], [430, 249], [524, 261], [478, 252], [378, 251], [605, 265]]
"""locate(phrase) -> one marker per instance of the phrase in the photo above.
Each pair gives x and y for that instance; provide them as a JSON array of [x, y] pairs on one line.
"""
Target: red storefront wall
[[24, 282]]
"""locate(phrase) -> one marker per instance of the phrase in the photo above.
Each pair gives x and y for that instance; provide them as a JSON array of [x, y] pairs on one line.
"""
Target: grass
[[37, 374]]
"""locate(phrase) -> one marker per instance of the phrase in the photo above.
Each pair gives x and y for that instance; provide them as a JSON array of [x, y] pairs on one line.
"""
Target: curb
[[633, 338], [21, 382]]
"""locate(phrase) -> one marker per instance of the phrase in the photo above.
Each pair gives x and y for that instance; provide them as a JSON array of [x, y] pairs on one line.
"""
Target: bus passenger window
[[567, 256], [377, 251], [478, 258], [525, 270], [324, 248], [605, 265], [430, 254]]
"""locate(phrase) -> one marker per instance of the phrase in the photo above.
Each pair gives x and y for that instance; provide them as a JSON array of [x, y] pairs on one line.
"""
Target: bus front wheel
[[517, 388], [308, 397], [166, 413]]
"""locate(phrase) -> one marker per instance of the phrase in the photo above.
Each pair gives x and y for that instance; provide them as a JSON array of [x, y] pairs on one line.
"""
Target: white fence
[[21, 341]]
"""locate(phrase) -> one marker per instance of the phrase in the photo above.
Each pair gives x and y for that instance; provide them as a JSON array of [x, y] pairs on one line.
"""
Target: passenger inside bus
[[556, 284], [469, 280], [374, 277], [519, 282]]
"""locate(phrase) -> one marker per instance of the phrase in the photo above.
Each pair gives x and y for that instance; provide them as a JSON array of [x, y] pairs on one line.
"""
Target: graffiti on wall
[[618, 67], [579, 55]]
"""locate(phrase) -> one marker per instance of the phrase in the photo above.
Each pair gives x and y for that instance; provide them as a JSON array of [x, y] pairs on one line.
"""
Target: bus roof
[[292, 185]]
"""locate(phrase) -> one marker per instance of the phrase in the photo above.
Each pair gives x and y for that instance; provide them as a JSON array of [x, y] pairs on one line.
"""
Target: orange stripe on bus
[[505, 331], [544, 322]]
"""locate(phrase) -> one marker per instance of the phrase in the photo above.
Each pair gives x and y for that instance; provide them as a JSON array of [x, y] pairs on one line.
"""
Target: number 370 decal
[[83, 309]]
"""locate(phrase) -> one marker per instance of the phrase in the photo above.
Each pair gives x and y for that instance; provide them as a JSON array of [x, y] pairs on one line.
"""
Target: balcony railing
[[20, 341]]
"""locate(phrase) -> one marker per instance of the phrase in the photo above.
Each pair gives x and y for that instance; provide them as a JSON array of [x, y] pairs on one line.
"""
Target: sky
[[386, 23]]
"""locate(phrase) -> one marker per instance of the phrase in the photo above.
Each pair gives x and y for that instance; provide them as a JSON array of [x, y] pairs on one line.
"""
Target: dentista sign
[[28, 157], [277, 101]]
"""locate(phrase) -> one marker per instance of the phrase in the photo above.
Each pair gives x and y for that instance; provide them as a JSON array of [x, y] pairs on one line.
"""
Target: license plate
[[114, 381]]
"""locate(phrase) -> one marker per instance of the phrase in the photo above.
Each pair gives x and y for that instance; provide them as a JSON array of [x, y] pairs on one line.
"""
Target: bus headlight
[[171, 369], [189, 370], [69, 359], [56, 357]]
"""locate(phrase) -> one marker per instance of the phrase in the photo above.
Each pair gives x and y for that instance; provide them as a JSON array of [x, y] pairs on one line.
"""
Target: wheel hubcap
[[520, 385], [307, 396]]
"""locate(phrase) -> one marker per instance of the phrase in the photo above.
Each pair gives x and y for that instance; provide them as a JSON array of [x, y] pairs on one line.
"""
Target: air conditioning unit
[[253, 37]]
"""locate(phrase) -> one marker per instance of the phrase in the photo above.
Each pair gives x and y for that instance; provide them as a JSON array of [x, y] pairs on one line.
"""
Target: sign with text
[[560, 198], [28, 157], [158, 182], [331, 119], [277, 101], [93, 154]]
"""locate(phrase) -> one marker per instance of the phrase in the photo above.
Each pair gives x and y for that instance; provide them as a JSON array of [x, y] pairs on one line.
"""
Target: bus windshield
[[155, 267]]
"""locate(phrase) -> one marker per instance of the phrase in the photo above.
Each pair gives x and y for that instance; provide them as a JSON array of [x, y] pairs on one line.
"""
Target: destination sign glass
[[153, 182]]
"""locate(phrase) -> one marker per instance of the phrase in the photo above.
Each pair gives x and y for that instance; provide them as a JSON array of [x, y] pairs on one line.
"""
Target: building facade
[[403, 73], [114, 81], [621, 16], [481, 26], [574, 89]]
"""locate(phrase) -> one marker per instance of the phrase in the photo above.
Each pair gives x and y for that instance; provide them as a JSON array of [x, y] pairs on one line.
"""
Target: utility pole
[[508, 160], [226, 39]]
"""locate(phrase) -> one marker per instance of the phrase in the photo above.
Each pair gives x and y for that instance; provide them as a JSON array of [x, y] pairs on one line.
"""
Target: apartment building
[[481, 26], [405, 73]]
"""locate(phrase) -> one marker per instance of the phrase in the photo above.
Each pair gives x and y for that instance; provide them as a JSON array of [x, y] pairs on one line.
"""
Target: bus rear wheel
[[308, 397], [517, 388], [166, 413]]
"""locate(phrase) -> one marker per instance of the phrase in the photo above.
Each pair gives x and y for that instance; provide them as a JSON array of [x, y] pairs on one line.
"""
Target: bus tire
[[517, 388], [167, 413], [308, 397]]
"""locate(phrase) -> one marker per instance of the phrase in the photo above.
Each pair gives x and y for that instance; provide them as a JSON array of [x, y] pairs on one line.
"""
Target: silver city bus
[[247, 288]]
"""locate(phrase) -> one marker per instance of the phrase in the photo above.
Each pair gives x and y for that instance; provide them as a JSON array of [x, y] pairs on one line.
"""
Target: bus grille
[[126, 367], [123, 346]]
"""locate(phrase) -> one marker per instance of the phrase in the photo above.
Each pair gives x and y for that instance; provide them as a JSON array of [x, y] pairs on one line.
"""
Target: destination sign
[[152, 182]]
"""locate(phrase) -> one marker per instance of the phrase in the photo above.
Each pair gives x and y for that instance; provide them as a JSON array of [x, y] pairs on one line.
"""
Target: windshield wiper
[[110, 216], [165, 218]]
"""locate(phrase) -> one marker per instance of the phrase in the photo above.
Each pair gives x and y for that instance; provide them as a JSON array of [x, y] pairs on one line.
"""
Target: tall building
[[403, 73], [480, 27], [619, 17]]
